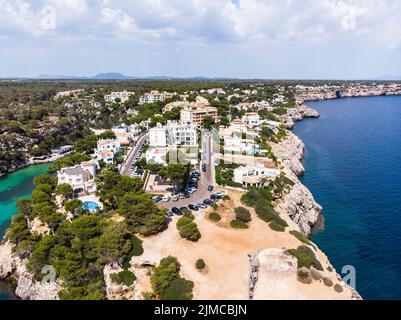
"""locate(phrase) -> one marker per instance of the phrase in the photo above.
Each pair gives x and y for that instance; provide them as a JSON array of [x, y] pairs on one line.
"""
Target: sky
[[269, 39]]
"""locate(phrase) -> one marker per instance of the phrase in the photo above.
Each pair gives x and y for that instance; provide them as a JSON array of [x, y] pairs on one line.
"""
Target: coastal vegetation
[[242, 214], [188, 228], [238, 224], [125, 277], [301, 237], [80, 249], [214, 216], [305, 257], [261, 200], [167, 284], [200, 264]]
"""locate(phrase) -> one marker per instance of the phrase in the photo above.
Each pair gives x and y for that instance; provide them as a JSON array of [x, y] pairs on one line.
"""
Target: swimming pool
[[91, 205]]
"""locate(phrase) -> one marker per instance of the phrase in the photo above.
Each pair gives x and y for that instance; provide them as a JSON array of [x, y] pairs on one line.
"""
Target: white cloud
[[205, 21]]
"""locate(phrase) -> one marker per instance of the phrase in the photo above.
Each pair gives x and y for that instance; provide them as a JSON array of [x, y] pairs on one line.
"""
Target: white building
[[251, 119], [158, 136], [198, 114], [254, 175], [112, 145], [173, 134], [71, 93], [121, 96], [156, 155], [80, 177], [105, 156], [155, 96]]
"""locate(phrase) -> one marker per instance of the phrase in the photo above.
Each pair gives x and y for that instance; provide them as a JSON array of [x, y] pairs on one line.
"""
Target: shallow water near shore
[[13, 187], [353, 169]]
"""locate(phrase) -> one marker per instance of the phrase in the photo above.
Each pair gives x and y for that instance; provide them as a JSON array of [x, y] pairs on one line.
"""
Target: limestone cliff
[[299, 203], [297, 114], [13, 268]]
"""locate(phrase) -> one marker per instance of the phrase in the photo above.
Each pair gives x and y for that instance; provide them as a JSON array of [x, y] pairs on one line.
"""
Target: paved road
[[206, 179], [126, 170]]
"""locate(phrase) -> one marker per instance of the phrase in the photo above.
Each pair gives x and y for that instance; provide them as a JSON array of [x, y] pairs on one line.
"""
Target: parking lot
[[205, 180]]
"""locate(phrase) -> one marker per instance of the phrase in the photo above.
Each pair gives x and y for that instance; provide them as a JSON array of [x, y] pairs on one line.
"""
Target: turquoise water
[[90, 205], [13, 187], [353, 168]]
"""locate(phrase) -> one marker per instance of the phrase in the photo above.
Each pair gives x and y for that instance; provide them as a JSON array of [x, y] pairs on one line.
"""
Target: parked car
[[156, 198], [166, 198], [187, 195], [208, 202], [170, 214], [193, 207], [174, 198], [176, 211], [181, 196], [210, 188]]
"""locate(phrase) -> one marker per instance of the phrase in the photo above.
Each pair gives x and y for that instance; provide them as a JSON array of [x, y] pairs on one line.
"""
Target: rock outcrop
[[299, 203], [13, 268], [290, 152], [301, 207], [297, 114], [116, 291]]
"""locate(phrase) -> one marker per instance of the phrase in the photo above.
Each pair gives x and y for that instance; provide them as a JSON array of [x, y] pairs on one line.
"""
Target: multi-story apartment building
[[173, 134], [196, 115], [155, 96], [121, 96]]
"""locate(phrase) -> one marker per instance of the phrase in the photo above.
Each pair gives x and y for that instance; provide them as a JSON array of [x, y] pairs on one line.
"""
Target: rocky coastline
[[299, 204]]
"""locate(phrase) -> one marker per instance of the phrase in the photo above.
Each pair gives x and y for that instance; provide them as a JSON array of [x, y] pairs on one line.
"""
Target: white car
[[166, 198]]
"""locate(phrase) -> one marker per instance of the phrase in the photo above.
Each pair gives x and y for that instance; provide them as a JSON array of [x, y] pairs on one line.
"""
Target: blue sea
[[12, 188], [353, 168]]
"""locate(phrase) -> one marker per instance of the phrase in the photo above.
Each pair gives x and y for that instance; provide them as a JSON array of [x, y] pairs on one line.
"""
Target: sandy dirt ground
[[225, 251]]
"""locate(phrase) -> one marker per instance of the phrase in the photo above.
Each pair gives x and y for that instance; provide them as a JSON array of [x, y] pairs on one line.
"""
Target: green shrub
[[124, 277], [226, 198], [304, 276], [238, 224], [200, 264], [306, 257], [338, 288], [327, 282], [188, 229], [301, 237], [214, 216], [164, 273], [276, 227], [242, 214], [215, 207], [178, 289], [266, 213], [269, 215], [167, 283]]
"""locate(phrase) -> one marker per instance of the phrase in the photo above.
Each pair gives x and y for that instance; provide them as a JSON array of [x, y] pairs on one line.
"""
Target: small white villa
[[112, 145], [80, 177], [254, 175]]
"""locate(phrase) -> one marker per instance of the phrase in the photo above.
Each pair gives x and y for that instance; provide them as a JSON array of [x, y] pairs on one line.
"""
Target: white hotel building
[[173, 134]]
